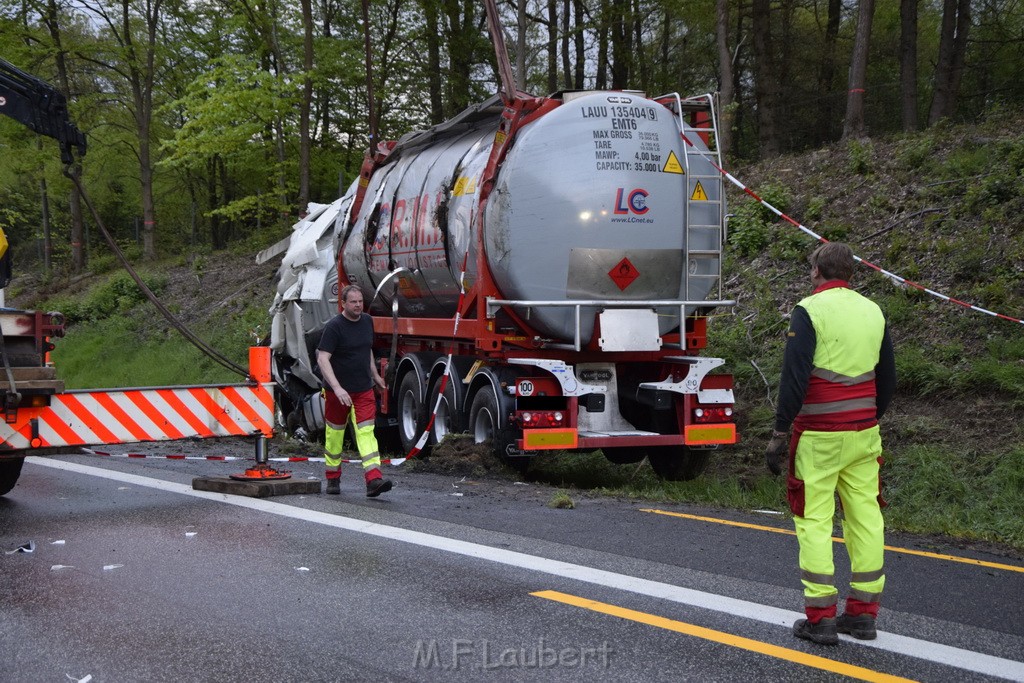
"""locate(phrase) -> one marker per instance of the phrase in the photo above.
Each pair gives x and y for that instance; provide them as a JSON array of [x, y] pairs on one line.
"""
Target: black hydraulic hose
[[218, 357]]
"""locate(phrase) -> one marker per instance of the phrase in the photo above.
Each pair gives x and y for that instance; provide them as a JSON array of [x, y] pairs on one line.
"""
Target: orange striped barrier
[[94, 417]]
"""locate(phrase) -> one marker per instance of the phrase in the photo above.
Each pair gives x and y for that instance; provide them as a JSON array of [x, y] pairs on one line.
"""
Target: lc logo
[[635, 202]]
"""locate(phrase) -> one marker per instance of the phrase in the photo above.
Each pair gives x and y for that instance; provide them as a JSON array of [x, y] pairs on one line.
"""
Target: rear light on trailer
[[540, 418], [712, 414]]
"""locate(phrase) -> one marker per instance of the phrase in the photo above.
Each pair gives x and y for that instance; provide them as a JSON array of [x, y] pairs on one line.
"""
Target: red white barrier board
[[92, 417]]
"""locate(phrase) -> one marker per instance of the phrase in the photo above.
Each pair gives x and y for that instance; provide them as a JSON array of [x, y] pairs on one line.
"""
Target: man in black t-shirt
[[345, 357]]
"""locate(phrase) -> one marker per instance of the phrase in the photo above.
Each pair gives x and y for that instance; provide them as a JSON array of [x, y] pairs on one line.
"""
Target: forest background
[[895, 125], [208, 120]]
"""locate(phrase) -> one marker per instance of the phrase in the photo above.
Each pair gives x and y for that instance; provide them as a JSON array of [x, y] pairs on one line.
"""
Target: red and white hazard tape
[[895, 278], [225, 458], [169, 456]]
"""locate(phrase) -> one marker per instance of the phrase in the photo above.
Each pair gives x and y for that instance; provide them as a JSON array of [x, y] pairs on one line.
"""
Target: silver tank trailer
[[595, 181]]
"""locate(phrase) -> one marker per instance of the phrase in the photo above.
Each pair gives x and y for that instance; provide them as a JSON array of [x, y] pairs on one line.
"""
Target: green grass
[[594, 473], [109, 353], [971, 495]]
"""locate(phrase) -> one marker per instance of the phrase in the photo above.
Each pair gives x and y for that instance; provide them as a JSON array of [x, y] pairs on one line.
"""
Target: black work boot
[[861, 626], [375, 487], [334, 486], [822, 633]]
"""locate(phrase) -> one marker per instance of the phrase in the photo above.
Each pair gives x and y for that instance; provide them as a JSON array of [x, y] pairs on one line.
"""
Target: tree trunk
[[140, 71], [581, 57], [639, 55], [306, 104], [552, 45], [216, 239], [521, 45], [726, 114], [765, 84], [963, 25], [854, 126], [956, 17], [622, 44], [433, 62], [827, 72], [664, 49], [78, 252], [601, 80], [461, 29], [566, 73], [44, 203], [908, 64]]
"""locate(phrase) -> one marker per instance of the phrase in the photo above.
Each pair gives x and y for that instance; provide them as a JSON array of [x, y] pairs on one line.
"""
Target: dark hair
[[348, 290], [834, 261]]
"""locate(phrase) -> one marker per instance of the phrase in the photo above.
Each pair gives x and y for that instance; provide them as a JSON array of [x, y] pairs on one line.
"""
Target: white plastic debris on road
[[29, 547]]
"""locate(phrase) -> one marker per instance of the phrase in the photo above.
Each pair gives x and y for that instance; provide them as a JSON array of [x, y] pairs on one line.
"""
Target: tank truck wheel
[[410, 411], [10, 470], [625, 455], [449, 419], [485, 425], [678, 463]]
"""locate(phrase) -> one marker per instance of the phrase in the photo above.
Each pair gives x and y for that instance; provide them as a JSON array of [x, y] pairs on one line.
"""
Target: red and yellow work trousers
[[363, 415], [821, 464]]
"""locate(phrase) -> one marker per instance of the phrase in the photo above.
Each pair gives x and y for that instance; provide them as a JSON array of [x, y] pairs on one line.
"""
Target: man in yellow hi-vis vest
[[5, 265], [838, 377]]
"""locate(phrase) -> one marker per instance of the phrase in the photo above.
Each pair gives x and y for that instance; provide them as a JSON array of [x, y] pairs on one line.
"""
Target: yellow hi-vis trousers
[[846, 462], [362, 415]]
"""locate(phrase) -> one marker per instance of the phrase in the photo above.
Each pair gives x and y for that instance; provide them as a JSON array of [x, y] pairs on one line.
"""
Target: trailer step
[[623, 433]]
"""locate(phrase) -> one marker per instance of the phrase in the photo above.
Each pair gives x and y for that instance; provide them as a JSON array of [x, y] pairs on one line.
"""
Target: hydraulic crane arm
[[39, 106]]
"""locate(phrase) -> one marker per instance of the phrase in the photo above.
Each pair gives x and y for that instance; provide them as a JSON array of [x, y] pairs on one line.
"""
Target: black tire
[[678, 463], [485, 424], [625, 455], [10, 470], [449, 419], [410, 414]]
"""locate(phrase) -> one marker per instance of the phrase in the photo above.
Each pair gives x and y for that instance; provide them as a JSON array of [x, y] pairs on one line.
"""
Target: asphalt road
[[136, 577]]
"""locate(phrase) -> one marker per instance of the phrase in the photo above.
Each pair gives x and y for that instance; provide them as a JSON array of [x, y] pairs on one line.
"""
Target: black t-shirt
[[349, 344]]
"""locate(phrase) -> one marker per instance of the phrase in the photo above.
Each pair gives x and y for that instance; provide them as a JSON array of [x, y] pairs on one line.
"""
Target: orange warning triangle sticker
[[672, 164], [699, 195]]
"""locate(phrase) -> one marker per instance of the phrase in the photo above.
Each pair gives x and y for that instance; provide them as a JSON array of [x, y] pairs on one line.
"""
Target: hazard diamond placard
[[624, 273]]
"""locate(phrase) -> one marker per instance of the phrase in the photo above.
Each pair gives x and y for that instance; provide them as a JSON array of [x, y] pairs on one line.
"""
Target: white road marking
[[891, 642]]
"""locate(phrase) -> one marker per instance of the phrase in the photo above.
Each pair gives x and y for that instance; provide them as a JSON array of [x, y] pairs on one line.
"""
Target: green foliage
[[916, 152], [862, 157], [815, 208], [750, 226], [115, 297]]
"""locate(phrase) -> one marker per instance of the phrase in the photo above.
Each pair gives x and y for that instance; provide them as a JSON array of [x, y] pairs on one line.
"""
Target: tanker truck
[[541, 271]]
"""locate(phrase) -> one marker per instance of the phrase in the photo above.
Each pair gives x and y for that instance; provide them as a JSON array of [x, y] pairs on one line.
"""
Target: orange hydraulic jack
[[262, 471]]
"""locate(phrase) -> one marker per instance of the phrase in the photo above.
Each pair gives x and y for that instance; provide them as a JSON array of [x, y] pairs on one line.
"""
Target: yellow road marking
[[895, 549], [729, 639]]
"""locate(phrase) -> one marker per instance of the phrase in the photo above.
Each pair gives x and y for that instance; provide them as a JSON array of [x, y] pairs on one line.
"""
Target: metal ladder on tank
[[713, 187]]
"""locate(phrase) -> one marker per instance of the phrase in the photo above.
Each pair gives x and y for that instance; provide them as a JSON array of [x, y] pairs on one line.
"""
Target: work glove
[[777, 453]]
